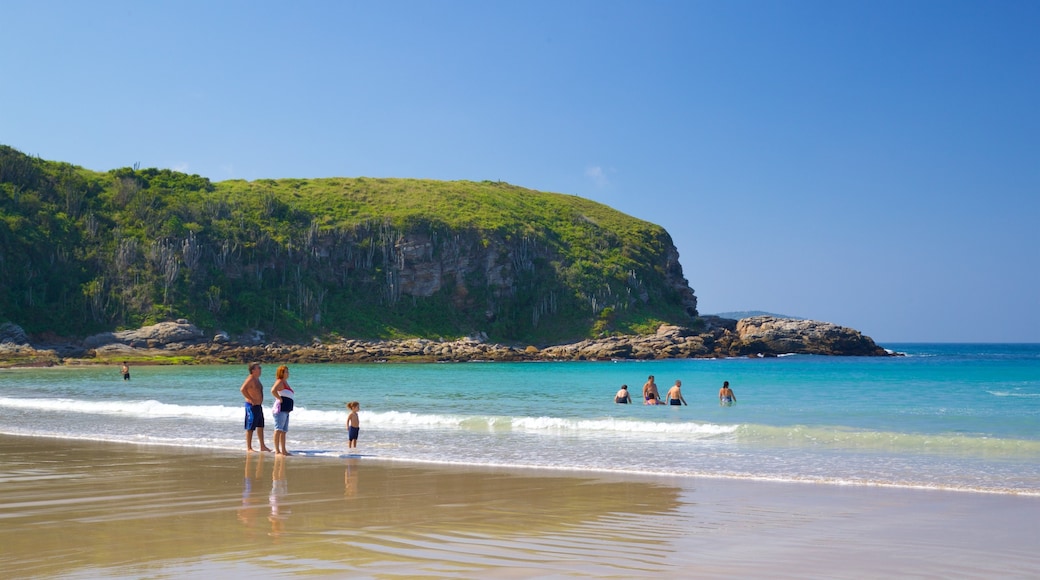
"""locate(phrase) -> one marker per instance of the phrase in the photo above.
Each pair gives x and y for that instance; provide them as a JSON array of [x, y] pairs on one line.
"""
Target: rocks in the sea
[[668, 342], [771, 335]]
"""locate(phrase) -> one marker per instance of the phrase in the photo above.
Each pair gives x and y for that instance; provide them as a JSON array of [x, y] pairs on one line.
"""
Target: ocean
[[962, 417]]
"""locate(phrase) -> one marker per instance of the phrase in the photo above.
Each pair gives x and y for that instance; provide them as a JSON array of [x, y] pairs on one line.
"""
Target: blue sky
[[874, 164]]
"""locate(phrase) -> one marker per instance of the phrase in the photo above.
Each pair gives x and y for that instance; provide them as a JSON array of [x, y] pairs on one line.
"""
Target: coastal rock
[[772, 335], [154, 336], [11, 333], [252, 338], [713, 322], [667, 330], [115, 350], [23, 355], [762, 336], [15, 349]]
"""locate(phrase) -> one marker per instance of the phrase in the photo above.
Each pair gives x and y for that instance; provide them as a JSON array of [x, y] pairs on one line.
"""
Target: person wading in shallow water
[[675, 394], [253, 392], [726, 396], [650, 394], [353, 424], [622, 396]]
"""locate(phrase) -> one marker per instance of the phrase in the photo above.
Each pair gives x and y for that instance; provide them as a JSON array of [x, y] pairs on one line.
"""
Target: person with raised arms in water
[[726, 396], [253, 392]]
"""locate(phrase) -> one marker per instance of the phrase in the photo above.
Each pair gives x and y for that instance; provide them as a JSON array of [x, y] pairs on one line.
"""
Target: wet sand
[[81, 509]]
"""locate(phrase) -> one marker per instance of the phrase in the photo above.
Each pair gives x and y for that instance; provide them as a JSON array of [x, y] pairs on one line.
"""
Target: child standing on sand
[[353, 425]]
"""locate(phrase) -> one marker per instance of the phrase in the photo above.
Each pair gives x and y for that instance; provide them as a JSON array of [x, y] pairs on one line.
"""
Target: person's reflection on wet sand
[[279, 492], [350, 478], [247, 513]]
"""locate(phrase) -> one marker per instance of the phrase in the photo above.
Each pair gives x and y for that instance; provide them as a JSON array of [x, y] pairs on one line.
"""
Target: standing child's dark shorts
[[254, 416], [352, 433]]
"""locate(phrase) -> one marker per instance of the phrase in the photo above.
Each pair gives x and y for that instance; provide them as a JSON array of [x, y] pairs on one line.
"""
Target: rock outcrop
[[12, 334], [15, 349], [162, 335], [771, 335], [758, 336]]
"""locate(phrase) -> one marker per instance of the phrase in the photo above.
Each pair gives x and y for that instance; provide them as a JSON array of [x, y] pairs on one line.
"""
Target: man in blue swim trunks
[[253, 392]]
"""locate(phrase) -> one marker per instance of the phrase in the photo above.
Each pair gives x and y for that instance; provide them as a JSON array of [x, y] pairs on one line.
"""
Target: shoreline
[[85, 508], [563, 471]]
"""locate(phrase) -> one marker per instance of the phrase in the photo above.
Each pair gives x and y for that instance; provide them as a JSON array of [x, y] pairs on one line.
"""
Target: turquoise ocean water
[[945, 416]]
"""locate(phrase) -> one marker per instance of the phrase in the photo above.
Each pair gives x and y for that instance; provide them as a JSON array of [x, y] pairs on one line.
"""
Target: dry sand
[[81, 509]]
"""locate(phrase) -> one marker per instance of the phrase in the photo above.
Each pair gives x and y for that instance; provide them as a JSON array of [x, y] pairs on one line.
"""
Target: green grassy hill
[[86, 251]]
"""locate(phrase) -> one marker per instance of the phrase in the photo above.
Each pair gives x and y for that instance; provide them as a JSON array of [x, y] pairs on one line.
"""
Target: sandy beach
[[78, 509]]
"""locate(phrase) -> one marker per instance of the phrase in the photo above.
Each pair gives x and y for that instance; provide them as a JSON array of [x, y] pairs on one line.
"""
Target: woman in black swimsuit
[[622, 396]]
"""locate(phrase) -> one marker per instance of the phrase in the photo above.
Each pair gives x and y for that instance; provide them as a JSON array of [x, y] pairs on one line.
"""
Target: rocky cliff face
[[423, 267], [520, 269], [674, 276]]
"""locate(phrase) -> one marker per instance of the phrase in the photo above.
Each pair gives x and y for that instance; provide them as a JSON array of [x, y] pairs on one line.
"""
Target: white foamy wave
[[301, 416], [620, 426], [151, 409], [145, 409], [1010, 394], [390, 419], [407, 420]]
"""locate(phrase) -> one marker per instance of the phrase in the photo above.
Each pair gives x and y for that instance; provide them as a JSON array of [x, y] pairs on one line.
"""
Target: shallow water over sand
[[85, 510]]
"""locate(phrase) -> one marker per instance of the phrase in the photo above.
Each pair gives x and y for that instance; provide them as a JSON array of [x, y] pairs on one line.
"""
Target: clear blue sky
[[874, 164]]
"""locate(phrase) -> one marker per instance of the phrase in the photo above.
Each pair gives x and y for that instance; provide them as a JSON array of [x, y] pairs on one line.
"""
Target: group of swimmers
[[674, 396]]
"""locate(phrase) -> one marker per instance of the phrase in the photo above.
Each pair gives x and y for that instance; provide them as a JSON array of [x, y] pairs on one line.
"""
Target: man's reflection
[[248, 511]]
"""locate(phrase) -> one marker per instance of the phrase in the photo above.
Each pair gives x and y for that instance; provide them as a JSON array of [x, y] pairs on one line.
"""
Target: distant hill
[[83, 251], [737, 315]]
